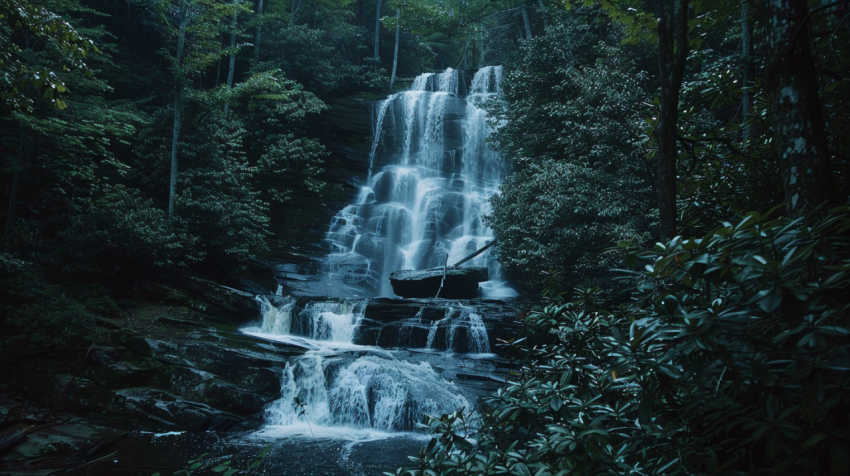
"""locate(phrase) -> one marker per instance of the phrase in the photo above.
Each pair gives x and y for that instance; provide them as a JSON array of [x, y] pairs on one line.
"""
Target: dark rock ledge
[[155, 369]]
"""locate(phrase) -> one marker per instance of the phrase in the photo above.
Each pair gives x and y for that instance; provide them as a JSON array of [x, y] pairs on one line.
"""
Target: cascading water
[[370, 392], [334, 391], [430, 179], [431, 176], [459, 319]]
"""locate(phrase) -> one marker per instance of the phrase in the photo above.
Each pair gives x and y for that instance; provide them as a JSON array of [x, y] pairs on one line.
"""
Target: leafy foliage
[[38, 314], [24, 83], [733, 360], [580, 182]]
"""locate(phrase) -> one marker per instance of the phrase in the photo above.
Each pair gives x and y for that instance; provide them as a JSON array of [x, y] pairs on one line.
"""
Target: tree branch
[[721, 140]]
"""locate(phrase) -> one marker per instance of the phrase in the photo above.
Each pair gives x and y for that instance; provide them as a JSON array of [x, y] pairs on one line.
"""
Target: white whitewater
[[431, 176], [460, 318], [342, 390]]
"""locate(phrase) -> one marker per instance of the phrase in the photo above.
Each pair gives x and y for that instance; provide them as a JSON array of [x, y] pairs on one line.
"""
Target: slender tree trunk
[[294, 11], [746, 67], [482, 55], [672, 53], [377, 35], [791, 80], [218, 61], [395, 53], [541, 9], [178, 89], [258, 33], [526, 22], [232, 63]]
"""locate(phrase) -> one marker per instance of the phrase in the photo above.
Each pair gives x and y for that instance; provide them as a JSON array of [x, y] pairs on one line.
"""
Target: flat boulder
[[461, 283]]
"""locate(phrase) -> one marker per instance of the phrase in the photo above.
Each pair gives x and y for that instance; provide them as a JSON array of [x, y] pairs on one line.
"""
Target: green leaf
[[556, 403], [813, 440], [522, 469]]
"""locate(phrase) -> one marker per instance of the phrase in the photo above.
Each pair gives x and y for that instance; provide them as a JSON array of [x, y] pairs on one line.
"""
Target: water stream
[[430, 179]]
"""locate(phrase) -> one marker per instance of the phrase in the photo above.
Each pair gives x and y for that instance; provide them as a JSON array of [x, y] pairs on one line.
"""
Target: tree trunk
[[672, 54], [258, 33], [178, 89], [791, 80], [294, 11], [232, 63], [395, 53], [377, 35], [746, 67], [526, 22], [482, 58]]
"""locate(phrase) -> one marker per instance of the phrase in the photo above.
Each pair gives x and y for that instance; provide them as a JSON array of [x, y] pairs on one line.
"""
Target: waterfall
[[431, 176], [337, 387], [405, 336], [370, 392], [443, 334], [277, 319], [332, 321]]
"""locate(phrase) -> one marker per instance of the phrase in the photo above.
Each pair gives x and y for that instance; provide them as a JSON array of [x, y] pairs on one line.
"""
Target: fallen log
[[473, 255]]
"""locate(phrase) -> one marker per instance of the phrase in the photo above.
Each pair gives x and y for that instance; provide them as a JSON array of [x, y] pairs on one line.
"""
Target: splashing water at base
[[366, 393], [337, 391]]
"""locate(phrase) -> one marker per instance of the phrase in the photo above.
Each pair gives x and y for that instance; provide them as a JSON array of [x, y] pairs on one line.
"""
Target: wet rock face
[[177, 371], [474, 326], [460, 283], [166, 411]]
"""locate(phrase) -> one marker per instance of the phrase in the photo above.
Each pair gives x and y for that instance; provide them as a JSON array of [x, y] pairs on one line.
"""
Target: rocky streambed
[[165, 383]]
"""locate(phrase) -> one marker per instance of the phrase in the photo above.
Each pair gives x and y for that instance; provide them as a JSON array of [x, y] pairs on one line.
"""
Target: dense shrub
[[35, 314], [733, 359], [571, 121], [122, 232]]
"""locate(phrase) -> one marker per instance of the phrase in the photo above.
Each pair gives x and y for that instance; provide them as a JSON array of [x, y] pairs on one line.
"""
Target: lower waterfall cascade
[[340, 389]]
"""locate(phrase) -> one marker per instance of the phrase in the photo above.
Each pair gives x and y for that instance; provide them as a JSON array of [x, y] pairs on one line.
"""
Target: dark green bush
[[35, 314], [734, 359], [121, 232], [571, 121]]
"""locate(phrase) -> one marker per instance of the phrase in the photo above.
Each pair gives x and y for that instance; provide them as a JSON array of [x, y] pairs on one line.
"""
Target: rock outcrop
[[444, 324], [460, 283]]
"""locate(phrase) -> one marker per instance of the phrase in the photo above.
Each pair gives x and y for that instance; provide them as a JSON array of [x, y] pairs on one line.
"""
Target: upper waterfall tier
[[430, 179]]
